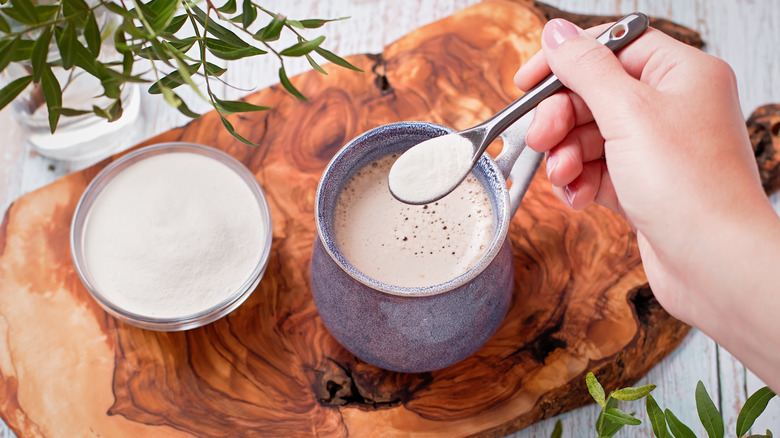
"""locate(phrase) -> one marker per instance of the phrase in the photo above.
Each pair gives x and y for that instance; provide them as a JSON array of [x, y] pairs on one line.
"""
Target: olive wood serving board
[[270, 368]]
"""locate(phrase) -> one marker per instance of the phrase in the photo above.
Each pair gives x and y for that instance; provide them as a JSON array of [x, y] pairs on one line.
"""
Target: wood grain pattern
[[270, 368], [764, 131]]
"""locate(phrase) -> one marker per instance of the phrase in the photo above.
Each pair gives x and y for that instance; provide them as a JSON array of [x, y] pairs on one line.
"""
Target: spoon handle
[[619, 35]]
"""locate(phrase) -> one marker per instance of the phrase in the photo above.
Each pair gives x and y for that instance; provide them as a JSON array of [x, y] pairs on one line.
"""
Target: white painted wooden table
[[746, 33]]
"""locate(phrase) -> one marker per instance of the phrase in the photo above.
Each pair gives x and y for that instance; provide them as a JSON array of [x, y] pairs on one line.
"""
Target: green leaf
[[40, 53], [112, 113], [174, 79], [595, 389], [115, 110], [233, 132], [177, 48], [228, 107], [100, 112], [136, 32], [164, 50], [754, 406], [163, 12], [610, 428], [170, 97], [46, 12], [14, 14], [289, 86], [336, 59], [656, 416], [66, 41], [70, 112], [24, 12], [302, 47], [92, 35], [227, 51], [22, 51], [156, 51], [557, 430], [186, 76], [604, 427], [119, 78], [184, 109], [295, 23], [84, 59], [7, 51], [228, 8], [214, 70], [111, 87], [708, 413], [182, 45], [314, 64], [618, 416], [53, 94], [169, 81], [10, 91], [632, 393], [120, 43], [176, 23], [217, 30], [119, 10], [75, 12], [315, 23], [678, 429], [71, 8], [43, 13], [272, 31], [249, 13], [127, 63], [4, 27]]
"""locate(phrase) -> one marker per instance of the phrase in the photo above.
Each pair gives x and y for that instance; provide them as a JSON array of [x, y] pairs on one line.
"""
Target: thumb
[[586, 67]]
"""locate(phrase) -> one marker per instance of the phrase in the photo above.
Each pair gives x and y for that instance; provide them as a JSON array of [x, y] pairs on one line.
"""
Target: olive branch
[[150, 31], [664, 423]]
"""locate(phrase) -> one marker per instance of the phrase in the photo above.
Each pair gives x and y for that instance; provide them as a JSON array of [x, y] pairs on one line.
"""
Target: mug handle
[[517, 162]]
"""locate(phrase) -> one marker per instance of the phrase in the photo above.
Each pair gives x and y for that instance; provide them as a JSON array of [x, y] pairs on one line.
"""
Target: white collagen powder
[[173, 235], [431, 169]]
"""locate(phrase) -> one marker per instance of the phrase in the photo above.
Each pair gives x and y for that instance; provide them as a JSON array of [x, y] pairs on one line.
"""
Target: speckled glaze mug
[[418, 329]]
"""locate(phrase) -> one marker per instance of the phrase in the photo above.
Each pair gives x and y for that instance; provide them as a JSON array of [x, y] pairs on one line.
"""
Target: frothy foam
[[411, 245]]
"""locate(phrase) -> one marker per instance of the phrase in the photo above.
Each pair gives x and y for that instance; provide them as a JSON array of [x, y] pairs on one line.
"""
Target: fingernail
[[552, 161], [569, 195], [557, 31]]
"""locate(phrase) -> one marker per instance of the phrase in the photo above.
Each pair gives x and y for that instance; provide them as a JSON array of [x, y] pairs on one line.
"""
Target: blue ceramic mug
[[417, 329]]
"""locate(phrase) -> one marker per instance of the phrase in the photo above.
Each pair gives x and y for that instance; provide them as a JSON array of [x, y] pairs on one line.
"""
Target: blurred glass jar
[[81, 137]]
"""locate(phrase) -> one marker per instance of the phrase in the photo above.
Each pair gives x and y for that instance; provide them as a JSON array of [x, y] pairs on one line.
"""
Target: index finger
[[650, 49], [536, 68]]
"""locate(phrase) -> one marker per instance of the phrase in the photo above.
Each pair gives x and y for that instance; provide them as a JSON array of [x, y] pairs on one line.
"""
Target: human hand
[[656, 134]]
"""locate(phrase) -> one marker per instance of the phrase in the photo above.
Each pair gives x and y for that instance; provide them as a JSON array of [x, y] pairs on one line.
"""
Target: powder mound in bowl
[[175, 235]]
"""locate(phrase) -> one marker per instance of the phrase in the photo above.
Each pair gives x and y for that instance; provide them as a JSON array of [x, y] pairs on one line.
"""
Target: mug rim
[[497, 240]]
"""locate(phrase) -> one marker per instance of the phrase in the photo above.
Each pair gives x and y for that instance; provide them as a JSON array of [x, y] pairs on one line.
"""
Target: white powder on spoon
[[431, 169], [173, 235]]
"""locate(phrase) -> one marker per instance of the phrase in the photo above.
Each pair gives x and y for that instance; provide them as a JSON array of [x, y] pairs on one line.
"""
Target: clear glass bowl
[[204, 316]]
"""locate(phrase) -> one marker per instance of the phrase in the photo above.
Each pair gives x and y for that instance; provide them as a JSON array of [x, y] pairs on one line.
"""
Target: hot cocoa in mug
[[414, 288]]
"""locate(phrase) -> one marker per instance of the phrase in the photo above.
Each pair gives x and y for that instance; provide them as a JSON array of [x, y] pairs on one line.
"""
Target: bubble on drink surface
[[411, 245]]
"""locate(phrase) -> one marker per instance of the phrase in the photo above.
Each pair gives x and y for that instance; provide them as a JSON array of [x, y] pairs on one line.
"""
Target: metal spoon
[[423, 174]]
